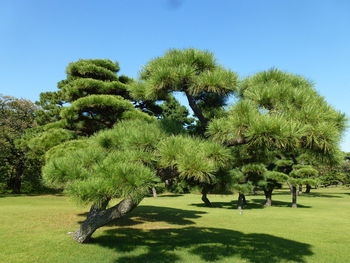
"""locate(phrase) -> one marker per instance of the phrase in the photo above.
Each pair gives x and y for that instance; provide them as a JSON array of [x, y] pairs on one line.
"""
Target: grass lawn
[[177, 228]]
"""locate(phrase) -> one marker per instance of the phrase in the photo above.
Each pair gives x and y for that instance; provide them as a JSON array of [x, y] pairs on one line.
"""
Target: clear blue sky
[[308, 37]]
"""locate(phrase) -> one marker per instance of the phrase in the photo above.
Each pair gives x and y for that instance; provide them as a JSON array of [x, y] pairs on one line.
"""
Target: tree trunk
[[241, 201], [308, 189], [100, 217], [244, 200], [197, 111], [15, 184], [95, 208], [154, 192], [204, 196], [294, 197], [268, 196]]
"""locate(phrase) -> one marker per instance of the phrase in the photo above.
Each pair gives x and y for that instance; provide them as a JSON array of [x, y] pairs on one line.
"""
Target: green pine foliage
[[195, 160], [115, 163], [196, 74], [124, 161]]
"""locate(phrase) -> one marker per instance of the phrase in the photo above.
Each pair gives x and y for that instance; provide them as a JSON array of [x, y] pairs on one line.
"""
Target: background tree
[[300, 175], [49, 107], [16, 115], [173, 110], [281, 112], [92, 97]]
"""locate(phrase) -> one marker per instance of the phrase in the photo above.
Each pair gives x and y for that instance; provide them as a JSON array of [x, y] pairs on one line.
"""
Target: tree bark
[[308, 189], [95, 208], [154, 192], [294, 197], [268, 196], [204, 196], [100, 217], [236, 142], [197, 111]]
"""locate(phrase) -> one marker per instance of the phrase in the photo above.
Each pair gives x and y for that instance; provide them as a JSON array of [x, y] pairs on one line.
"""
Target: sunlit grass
[[179, 229]]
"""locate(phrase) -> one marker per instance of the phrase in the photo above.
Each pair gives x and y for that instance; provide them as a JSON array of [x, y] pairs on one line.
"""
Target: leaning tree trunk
[[294, 197], [268, 196], [100, 217], [204, 196], [96, 208], [241, 201], [308, 189]]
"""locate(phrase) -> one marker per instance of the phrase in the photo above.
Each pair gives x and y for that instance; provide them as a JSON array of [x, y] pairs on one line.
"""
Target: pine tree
[[282, 113], [125, 162], [92, 98], [206, 85]]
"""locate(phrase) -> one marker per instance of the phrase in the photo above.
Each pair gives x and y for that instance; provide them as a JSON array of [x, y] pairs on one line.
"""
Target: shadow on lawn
[[313, 194], [144, 213], [30, 195], [322, 195], [209, 244], [251, 204], [170, 195]]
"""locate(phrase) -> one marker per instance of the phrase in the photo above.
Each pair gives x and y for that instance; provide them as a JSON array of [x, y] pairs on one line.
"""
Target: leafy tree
[[192, 72], [92, 98], [334, 174], [97, 97], [49, 107], [273, 179], [300, 175], [16, 115], [197, 75], [125, 162], [173, 110], [282, 113]]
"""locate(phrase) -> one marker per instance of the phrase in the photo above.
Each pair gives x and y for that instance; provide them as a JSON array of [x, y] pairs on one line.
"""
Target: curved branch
[[197, 111]]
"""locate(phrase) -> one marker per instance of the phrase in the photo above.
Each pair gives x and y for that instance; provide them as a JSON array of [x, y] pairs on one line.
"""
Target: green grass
[[171, 229]]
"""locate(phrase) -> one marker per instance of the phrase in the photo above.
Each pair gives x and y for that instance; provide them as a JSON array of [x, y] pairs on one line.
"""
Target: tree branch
[[236, 142], [197, 111]]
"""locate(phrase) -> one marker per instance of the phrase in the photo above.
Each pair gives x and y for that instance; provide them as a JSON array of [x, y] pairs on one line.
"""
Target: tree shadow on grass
[[251, 204], [30, 195], [145, 213], [276, 203], [170, 195], [315, 194], [312, 194], [209, 244]]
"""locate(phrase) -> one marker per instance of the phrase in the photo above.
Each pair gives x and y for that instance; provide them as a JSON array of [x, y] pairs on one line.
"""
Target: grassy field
[[177, 228]]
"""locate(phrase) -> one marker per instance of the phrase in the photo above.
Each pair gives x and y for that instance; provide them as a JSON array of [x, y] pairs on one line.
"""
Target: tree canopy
[[106, 136]]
